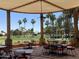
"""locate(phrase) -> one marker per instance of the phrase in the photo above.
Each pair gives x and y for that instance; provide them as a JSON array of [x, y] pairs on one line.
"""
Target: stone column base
[[42, 41], [75, 42], [8, 43]]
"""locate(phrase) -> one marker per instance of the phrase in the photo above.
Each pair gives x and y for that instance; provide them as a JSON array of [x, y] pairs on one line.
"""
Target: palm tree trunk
[[19, 29], [33, 30], [24, 31]]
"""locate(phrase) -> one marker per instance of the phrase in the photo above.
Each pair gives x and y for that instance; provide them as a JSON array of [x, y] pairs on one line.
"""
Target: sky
[[19, 16]]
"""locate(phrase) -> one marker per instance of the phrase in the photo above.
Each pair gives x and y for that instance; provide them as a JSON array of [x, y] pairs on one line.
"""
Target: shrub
[[1, 35]]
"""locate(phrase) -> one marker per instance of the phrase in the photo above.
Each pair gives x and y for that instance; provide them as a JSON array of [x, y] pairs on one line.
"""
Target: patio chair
[[71, 50], [28, 46], [57, 49], [53, 48], [60, 50], [4, 55], [46, 49]]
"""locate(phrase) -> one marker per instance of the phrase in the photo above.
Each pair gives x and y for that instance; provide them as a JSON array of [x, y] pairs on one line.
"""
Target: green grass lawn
[[20, 38], [23, 38]]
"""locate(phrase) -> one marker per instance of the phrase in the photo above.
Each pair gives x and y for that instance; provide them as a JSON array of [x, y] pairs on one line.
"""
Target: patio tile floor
[[37, 54]]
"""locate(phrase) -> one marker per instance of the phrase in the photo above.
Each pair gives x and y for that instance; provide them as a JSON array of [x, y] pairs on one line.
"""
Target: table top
[[23, 51], [1, 46]]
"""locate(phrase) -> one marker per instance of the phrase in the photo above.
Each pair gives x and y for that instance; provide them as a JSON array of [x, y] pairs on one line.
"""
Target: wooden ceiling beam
[[53, 4], [24, 5]]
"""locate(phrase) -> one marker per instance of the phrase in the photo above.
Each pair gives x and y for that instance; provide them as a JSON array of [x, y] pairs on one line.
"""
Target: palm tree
[[47, 23], [24, 21], [47, 26], [2, 31], [60, 20], [33, 22], [67, 15], [52, 18], [60, 25], [19, 22], [68, 18]]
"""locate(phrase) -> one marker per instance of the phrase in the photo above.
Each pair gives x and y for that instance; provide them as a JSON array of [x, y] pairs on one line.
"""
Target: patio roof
[[38, 6]]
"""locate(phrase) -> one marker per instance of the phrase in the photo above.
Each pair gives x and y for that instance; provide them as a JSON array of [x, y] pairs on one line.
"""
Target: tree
[[47, 23], [33, 22], [60, 20], [19, 22], [16, 32], [68, 24], [68, 16], [60, 25], [24, 21], [48, 30], [52, 18], [2, 31]]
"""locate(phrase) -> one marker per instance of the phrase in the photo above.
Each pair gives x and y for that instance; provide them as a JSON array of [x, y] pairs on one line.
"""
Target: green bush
[[1, 35]]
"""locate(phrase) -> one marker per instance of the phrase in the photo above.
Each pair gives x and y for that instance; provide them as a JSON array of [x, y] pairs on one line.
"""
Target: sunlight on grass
[[22, 38]]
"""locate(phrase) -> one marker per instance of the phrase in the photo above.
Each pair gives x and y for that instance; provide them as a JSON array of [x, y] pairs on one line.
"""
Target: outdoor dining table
[[58, 48], [24, 52], [2, 47]]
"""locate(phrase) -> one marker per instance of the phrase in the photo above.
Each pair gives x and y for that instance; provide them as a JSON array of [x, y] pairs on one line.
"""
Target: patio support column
[[75, 24], [76, 37], [42, 40], [8, 41]]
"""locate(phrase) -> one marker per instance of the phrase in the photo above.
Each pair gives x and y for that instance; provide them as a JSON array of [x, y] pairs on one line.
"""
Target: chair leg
[[74, 52], [68, 51], [30, 57]]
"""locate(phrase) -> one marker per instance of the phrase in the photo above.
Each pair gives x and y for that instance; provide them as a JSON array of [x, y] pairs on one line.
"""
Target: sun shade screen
[[36, 6]]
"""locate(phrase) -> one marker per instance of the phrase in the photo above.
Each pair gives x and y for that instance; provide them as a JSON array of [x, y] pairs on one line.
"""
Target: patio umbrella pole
[[42, 40], [8, 41]]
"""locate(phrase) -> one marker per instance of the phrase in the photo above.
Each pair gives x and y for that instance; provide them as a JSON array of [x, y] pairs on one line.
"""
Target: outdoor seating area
[[44, 52], [39, 29], [60, 49], [55, 49]]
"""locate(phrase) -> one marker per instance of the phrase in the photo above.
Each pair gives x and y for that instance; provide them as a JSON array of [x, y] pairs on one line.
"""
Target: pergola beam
[[53, 4], [24, 5], [37, 1]]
